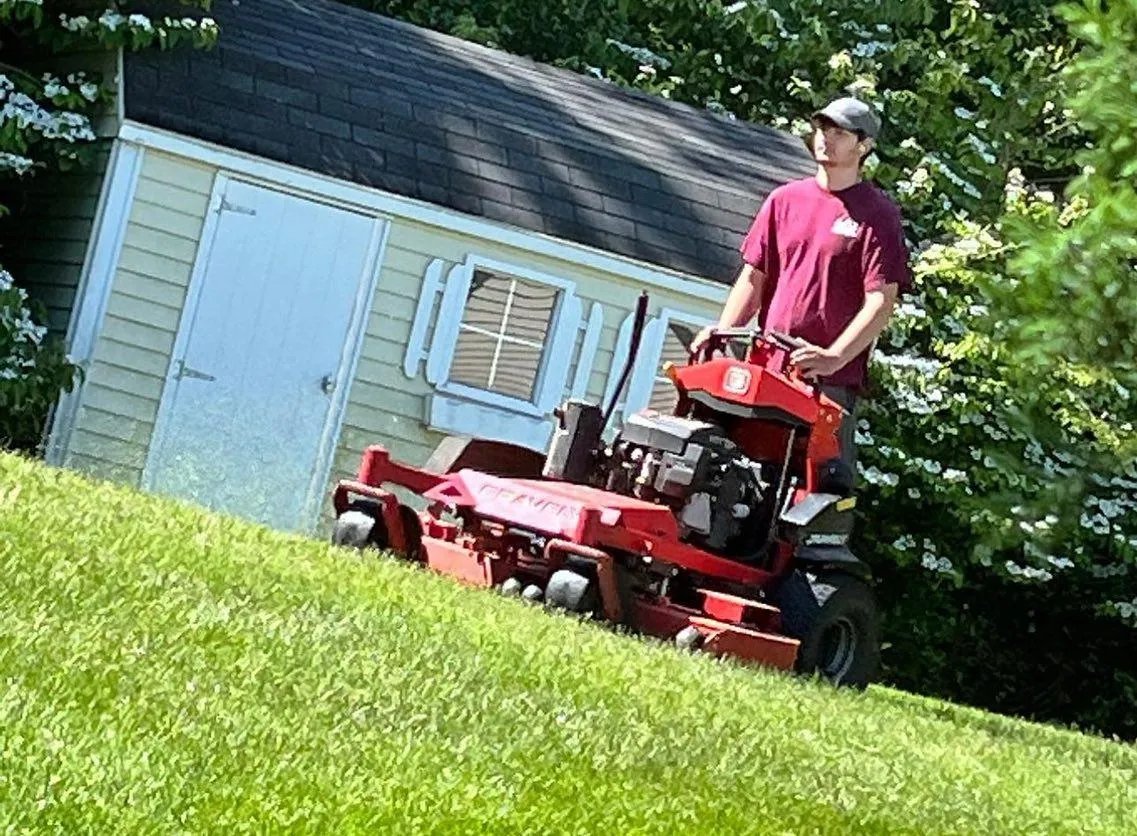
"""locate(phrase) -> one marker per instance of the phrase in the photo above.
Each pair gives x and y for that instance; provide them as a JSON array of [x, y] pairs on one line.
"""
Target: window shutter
[[555, 374], [635, 395], [588, 351], [647, 365], [416, 348], [449, 317]]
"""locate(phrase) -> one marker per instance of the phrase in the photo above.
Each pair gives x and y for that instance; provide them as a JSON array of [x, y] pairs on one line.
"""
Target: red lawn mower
[[722, 527]]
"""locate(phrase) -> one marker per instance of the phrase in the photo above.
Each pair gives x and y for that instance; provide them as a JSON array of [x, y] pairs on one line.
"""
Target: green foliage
[[1073, 295], [167, 669], [1005, 550], [46, 126], [32, 371], [997, 507]]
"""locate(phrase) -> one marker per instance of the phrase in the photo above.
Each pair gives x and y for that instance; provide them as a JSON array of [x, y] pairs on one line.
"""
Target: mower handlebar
[[775, 338]]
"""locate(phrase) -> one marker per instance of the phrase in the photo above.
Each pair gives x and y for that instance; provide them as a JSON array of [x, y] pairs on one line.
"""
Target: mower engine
[[720, 497]]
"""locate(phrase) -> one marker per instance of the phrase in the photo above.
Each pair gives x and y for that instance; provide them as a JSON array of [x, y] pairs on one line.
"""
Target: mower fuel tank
[[578, 432]]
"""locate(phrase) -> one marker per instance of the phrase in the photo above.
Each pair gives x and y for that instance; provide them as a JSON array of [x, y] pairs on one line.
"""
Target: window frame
[[555, 358]]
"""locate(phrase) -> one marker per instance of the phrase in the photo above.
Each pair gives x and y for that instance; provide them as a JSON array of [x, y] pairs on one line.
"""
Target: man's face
[[836, 147]]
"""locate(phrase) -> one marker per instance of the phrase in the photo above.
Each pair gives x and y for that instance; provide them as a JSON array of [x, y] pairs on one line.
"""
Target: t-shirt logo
[[846, 226]]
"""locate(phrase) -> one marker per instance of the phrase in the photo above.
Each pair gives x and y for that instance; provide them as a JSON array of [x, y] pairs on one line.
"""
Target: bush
[[33, 369]]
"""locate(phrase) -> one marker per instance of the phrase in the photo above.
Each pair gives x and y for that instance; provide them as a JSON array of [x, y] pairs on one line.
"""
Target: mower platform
[[515, 533]]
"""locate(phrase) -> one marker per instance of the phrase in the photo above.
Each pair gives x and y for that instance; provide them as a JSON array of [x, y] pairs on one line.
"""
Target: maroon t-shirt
[[821, 252]]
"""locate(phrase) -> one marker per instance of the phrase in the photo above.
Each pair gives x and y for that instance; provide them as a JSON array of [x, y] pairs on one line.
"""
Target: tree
[[1073, 298], [45, 126]]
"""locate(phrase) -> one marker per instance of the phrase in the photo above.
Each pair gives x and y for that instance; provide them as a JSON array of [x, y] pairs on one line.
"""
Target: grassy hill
[[165, 670]]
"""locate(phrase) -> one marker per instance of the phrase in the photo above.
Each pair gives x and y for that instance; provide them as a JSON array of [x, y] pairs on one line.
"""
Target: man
[[824, 261]]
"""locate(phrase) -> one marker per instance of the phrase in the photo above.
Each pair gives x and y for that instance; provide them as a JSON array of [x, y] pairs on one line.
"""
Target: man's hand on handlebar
[[701, 338], [814, 361]]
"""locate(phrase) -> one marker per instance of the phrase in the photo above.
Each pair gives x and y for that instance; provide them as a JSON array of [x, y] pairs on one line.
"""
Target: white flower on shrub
[[904, 542], [74, 24], [940, 565], [1028, 572], [15, 162], [111, 20], [1126, 609], [65, 125]]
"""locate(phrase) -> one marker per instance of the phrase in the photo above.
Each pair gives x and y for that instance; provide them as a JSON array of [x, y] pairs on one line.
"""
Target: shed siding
[[131, 357], [116, 420]]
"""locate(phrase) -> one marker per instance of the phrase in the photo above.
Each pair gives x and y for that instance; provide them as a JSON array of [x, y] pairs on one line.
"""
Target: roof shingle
[[349, 93]]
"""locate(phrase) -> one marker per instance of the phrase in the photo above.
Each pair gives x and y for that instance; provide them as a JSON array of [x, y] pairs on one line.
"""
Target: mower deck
[[570, 522]]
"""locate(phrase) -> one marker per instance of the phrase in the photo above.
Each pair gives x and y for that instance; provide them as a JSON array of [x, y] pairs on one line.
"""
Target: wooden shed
[[335, 229]]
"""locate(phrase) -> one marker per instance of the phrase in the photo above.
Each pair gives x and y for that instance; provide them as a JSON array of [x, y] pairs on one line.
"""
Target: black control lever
[[785, 341]]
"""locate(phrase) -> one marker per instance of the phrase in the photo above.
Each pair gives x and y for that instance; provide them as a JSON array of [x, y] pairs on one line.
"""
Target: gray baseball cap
[[852, 115]]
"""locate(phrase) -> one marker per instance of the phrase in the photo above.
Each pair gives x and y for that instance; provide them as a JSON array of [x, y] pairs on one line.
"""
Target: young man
[[824, 261]]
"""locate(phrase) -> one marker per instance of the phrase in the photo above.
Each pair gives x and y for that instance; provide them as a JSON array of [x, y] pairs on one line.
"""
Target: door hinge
[[226, 206], [183, 370]]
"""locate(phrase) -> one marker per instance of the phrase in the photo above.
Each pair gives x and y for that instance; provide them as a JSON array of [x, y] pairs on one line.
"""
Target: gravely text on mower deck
[[723, 526]]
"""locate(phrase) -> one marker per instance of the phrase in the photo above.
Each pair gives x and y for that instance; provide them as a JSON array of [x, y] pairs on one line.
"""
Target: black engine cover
[[667, 432]]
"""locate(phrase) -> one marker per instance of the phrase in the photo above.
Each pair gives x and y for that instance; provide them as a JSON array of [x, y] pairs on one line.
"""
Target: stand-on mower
[[722, 527]]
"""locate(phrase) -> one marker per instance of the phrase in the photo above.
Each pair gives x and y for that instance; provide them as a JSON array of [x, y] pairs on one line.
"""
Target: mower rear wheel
[[836, 619]]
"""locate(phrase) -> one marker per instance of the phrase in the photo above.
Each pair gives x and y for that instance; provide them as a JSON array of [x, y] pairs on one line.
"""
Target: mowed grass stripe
[[166, 670]]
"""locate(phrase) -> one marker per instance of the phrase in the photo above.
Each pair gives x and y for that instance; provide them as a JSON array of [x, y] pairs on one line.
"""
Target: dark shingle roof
[[348, 93]]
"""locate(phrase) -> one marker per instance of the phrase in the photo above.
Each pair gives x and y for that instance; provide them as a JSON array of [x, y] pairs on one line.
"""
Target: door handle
[[185, 371]]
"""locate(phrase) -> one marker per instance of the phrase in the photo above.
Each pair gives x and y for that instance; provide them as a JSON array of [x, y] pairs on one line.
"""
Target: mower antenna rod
[[633, 349]]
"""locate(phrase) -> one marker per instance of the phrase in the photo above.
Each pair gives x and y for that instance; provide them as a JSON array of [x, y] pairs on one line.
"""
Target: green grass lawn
[[165, 670]]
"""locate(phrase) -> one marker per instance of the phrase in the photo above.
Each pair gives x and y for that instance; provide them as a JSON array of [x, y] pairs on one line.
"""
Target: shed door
[[263, 354]]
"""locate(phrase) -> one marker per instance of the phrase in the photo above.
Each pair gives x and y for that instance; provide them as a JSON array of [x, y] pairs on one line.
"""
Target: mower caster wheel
[[689, 638], [568, 590], [510, 588], [354, 529], [532, 594]]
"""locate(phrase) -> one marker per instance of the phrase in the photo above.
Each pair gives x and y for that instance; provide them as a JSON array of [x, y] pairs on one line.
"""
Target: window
[[502, 335], [498, 340]]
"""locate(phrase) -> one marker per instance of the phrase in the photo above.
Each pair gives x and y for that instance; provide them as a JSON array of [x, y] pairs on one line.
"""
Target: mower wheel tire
[[569, 590], [360, 527], [835, 618]]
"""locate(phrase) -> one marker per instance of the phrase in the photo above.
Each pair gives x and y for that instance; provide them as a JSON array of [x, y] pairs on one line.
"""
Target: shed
[[335, 229]]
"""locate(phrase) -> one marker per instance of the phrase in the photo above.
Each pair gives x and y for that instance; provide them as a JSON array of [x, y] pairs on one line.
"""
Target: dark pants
[[847, 397]]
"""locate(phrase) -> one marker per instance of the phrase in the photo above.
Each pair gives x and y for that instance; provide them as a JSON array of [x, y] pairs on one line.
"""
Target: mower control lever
[[785, 341], [776, 338]]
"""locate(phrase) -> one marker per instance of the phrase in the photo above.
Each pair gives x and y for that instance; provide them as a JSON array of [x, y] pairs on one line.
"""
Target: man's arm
[[742, 303], [858, 335], [744, 299]]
